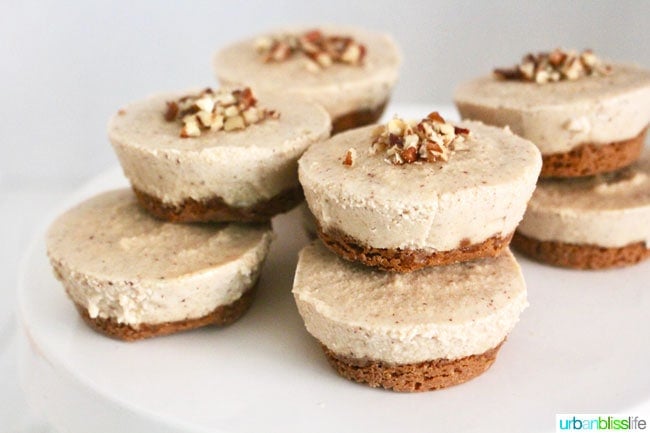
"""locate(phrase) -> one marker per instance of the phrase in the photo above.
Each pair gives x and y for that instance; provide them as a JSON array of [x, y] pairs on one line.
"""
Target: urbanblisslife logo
[[593, 422]]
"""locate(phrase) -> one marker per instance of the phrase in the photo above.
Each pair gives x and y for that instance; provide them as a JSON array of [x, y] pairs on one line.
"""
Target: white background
[[66, 66]]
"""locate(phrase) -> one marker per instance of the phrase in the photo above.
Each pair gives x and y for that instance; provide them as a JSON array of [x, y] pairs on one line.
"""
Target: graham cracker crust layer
[[221, 316], [580, 256], [589, 159], [216, 210], [403, 260], [356, 119], [422, 376]]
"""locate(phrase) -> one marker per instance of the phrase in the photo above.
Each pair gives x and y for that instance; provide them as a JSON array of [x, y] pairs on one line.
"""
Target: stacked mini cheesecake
[[132, 261], [411, 286], [132, 276], [589, 120], [209, 169]]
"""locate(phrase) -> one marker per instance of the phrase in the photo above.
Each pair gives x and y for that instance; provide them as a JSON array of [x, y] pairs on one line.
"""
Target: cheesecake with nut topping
[[216, 155], [349, 71], [132, 276], [585, 115], [413, 194], [590, 223], [418, 331]]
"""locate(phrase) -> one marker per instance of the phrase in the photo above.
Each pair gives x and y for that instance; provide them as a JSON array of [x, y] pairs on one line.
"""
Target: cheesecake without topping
[[132, 276], [443, 319], [592, 223]]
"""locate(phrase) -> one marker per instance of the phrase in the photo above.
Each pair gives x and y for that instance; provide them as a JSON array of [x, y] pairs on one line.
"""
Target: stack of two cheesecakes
[[185, 248], [411, 286], [589, 120]]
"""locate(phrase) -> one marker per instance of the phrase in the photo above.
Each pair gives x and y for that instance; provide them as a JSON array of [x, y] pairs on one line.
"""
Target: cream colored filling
[[340, 88], [479, 193], [559, 117], [242, 167], [609, 210], [119, 263], [446, 312]]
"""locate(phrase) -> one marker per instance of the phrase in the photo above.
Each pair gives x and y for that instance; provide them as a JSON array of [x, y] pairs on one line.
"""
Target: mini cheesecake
[[583, 123], [409, 332], [349, 71], [216, 155], [418, 203], [590, 223], [132, 276]]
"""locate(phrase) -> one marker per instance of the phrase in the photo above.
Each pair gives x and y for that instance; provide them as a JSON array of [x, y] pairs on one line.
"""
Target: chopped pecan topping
[[320, 51], [403, 142], [350, 156], [558, 65], [209, 110], [172, 111]]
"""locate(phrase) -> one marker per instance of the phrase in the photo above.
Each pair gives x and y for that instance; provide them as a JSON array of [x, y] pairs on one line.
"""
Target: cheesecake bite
[[587, 116], [132, 276], [418, 331], [349, 71], [216, 155], [590, 223], [412, 194]]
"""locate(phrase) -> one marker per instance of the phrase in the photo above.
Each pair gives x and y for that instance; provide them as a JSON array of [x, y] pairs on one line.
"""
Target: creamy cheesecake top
[[492, 91], [241, 166], [142, 124], [339, 87], [479, 192], [110, 237], [624, 189], [487, 156], [561, 115], [610, 210], [440, 312], [121, 264]]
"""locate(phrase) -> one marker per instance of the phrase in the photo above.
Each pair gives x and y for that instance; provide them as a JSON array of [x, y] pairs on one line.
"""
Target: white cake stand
[[581, 347]]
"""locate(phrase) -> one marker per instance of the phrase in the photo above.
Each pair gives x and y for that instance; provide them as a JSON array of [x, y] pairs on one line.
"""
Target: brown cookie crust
[[404, 260], [356, 119], [221, 316], [417, 377], [580, 256], [216, 210], [588, 158]]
